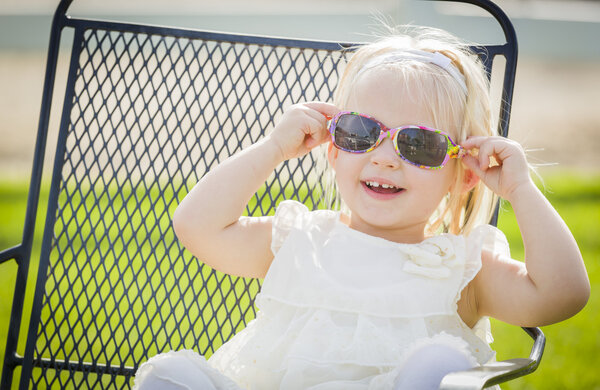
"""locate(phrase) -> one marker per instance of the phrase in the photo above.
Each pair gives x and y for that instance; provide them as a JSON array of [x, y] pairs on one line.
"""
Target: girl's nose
[[385, 155]]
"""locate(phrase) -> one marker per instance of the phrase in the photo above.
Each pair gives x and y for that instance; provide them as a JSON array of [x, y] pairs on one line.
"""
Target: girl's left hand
[[508, 174]]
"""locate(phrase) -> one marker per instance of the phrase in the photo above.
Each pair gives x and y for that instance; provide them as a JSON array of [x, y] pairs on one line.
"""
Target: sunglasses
[[422, 146]]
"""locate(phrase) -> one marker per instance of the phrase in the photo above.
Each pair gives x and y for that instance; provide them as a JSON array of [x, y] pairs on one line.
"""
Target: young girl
[[395, 292]]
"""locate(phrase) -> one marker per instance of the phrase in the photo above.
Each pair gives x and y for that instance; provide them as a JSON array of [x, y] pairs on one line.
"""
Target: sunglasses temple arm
[[457, 152]]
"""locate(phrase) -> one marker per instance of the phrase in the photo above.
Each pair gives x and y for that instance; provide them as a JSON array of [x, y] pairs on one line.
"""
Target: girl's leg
[[426, 367], [182, 370]]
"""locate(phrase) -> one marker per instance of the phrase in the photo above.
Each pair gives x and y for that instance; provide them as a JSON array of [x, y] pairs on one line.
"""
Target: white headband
[[435, 58]]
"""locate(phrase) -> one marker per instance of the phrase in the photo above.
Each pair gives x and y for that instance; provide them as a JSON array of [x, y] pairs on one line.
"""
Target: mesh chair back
[[147, 112]]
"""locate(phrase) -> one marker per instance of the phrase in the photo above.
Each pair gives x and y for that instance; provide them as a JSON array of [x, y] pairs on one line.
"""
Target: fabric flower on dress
[[432, 258]]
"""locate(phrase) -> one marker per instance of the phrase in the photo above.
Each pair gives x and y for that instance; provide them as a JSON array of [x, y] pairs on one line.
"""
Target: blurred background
[[555, 110], [555, 115]]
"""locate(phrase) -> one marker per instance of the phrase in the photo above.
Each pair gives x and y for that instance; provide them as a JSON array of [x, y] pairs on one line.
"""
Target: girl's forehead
[[393, 100], [398, 97]]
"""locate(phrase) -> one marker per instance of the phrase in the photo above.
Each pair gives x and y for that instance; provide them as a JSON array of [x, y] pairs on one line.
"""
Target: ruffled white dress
[[340, 309]]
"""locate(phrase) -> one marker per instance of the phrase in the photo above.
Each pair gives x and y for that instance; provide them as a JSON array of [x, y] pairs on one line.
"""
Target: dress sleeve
[[287, 216], [483, 237]]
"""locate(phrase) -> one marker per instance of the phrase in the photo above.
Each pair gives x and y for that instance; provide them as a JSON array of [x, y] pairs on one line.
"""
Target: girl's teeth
[[375, 184]]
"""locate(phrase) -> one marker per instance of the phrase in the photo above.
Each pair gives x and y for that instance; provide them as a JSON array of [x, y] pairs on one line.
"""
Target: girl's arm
[[209, 220], [552, 284]]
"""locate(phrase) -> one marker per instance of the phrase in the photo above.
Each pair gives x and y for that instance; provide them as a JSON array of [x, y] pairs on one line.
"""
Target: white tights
[[426, 367], [424, 370], [173, 371]]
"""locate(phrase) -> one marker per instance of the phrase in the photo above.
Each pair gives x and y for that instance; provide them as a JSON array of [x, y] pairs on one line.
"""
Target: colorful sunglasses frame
[[454, 150]]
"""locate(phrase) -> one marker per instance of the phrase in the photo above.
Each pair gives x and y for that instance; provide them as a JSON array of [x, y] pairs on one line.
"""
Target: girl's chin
[[382, 220]]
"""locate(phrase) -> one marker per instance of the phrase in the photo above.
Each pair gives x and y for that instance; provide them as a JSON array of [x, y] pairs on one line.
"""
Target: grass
[[572, 345]]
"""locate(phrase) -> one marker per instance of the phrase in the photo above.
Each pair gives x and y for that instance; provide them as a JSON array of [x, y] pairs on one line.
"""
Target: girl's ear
[[332, 154], [470, 179]]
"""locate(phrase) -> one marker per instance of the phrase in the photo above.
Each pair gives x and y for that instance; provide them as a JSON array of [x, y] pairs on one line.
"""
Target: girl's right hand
[[302, 127]]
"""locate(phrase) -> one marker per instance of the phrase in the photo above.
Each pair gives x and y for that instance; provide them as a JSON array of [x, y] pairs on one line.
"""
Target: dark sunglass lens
[[422, 147], [356, 133]]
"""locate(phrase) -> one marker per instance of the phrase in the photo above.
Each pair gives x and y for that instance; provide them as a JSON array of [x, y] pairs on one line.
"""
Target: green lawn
[[572, 345]]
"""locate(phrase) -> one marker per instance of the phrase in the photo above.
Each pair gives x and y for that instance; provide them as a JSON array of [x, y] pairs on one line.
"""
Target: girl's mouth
[[382, 188]]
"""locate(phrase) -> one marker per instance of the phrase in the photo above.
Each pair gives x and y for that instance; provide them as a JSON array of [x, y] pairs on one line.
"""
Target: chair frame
[[476, 378]]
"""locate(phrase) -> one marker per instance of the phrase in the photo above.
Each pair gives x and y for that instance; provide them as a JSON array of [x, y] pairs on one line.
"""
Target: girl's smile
[[381, 188]]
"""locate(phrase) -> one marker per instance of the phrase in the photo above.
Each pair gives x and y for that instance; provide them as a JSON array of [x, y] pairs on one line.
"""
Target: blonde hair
[[448, 105]]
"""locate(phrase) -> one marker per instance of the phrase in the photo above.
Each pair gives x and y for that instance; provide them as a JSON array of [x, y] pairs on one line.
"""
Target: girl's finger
[[320, 133], [486, 150], [473, 142], [318, 116], [472, 163], [315, 132], [328, 110], [312, 142], [312, 125]]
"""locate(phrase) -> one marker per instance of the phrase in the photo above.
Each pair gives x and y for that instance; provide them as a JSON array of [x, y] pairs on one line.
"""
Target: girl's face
[[399, 213]]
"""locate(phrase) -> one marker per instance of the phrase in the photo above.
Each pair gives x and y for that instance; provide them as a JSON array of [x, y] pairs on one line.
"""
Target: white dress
[[341, 309]]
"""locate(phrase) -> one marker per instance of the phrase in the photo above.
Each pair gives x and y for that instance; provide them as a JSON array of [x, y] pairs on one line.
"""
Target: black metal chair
[[147, 111]]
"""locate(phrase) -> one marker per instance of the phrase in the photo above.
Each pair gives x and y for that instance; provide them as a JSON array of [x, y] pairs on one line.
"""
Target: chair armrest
[[497, 372], [479, 377], [10, 254]]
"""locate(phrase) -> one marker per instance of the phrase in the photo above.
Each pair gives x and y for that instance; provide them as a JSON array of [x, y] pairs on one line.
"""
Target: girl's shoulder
[[291, 214], [295, 214], [487, 237]]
